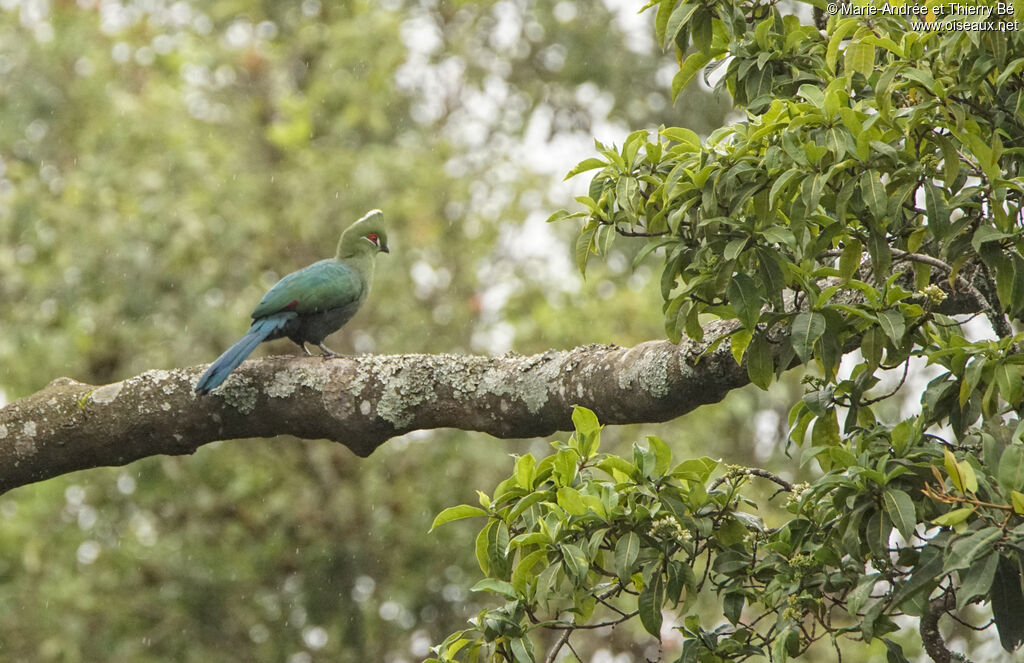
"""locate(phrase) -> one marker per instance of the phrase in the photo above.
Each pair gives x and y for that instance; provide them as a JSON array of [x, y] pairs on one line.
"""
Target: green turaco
[[308, 305]]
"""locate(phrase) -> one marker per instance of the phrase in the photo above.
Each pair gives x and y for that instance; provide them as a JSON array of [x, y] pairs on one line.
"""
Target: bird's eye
[[373, 238]]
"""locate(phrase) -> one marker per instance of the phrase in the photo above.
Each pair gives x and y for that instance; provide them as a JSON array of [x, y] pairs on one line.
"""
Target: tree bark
[[360, 402], [931, 637]]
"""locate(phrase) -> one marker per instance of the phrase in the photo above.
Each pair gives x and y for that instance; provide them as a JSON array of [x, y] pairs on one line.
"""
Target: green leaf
[[482, 557], [760, 365], [893, 324], [700, 30], [937, 210], [787, 644], [559, 215], [954, 517], [522, 650], [807, 327], [977, 580], [695, 469], [526, 471], [1017, 499], [771, 275], [732, 606], [901, 435], [779, 235], [969, 477], [874, 193], [584, 420], [677, 21], [583, 246], [682, 135], [576, 564], [843, 27], [1008, 603], [819, 400], [632, 146], [745, 299], [571, 500], [920, 76], [603, 239], [649, 603], [900, 508], [781, 181], [627, 190], [611, 464], [849, 261], [859, 58], [735, 247], [649, 248], [643, 459], [877, 533], [966, 549], [585, 165], [952, 469], [813, 94], [856, 599], [565, 466], [627, 549], [495, 586], [1011, 469], [950, 162], [826, 431], [881, 255], [1011, 69], [524, 570], [759, 82], [926, 574], [531, 539], [986, 234], [662, 454], [497, 547], [691, 65], [456, 513], [738, 342], [894, 652], [665, 8]]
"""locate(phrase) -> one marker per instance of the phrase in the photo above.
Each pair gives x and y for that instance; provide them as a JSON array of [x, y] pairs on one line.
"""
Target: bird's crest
[[365, 235]]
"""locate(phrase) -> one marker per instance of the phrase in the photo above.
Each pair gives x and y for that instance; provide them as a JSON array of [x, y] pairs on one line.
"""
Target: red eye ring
[[373, 238]]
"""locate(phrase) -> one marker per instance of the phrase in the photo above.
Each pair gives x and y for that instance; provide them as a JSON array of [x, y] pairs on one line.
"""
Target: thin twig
[[568, 629], [636, 233], [932, 261], [754, 471], [558, 646], [872, 401], [922, 258]]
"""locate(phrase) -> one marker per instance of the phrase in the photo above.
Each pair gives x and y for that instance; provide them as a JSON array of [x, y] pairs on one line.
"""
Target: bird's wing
[[322, 286]]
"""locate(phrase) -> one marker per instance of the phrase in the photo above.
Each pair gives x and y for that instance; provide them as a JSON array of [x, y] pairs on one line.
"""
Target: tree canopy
[[869, 205]]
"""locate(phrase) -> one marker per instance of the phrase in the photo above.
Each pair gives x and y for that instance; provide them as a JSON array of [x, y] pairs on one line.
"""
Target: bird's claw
[[327, 352]]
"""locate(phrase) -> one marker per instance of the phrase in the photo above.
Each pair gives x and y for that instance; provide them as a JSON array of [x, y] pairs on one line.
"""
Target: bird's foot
[[328, 353], [305, 351]]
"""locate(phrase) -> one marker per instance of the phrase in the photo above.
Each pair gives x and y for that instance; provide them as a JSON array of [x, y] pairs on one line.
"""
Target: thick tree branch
[[360, 402], [932, 639]]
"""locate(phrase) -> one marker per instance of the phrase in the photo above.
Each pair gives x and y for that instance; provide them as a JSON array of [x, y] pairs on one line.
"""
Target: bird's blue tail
[[236, 354]]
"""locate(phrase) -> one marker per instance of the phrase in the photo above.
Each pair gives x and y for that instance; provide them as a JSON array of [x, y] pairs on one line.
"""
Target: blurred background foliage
[[163, 163]]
